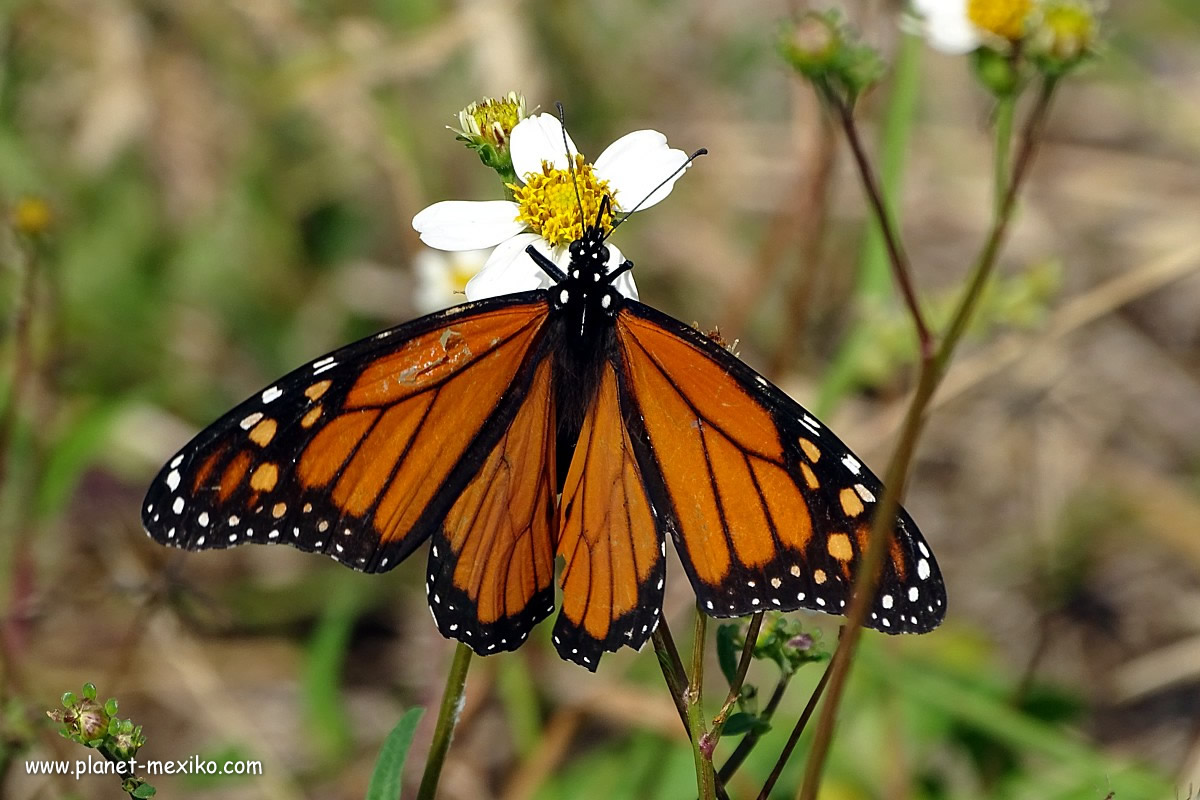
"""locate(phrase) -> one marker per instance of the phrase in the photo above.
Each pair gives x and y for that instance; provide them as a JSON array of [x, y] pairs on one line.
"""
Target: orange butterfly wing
[[359, 454], [491, 564], [767, 508], [613, 553]]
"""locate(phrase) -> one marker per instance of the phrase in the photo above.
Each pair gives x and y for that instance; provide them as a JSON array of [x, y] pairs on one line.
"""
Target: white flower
[[545, 211], [960, 26], [442, 277]]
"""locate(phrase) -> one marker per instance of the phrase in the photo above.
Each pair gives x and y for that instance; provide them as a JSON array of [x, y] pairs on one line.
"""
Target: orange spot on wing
[[811, 450], [231, 478], [309, 419], [839, 547], [264, 478], [819, 576], [851, 502], [319, 388], [262, 433], [206, 468], [810, 477]]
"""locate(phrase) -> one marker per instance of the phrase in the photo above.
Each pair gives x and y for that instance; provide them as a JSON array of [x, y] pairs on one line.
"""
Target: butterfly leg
[[548, 266]]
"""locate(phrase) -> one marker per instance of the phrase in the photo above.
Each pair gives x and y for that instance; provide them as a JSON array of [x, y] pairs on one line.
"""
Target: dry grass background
[[232, 184]]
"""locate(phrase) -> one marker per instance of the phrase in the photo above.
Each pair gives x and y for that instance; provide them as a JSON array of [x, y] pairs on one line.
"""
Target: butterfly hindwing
[[491, 563], [767, 508], [613, 554], [357, 454]]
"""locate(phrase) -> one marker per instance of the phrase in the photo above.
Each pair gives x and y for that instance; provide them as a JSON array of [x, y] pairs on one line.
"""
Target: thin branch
[[931, 374], [896, 255], [672, 667], [443, 732], [706, 779], [798, 729], [751, 739], [735, 687]]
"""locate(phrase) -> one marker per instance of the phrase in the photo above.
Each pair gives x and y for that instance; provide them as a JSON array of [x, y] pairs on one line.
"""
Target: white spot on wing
[[272, 394], [923, 569], [173, 479], [178, 505], [176, 461], [852, 463], [864, 493], [249, 422]]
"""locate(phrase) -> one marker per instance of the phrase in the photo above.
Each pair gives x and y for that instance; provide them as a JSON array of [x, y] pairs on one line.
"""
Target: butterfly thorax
[[586, 298]]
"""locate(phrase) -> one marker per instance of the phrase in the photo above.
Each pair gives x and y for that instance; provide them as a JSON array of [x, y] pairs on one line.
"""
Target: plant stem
[[751, 739], [706, 779], [895, 250], [443, 732], [672, 668], [795, 735], [931, 374], [735, 687], [1005, 112]]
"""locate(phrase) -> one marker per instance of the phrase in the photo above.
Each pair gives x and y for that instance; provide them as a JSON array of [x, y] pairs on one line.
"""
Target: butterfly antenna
[[562, 118], [703, 151]]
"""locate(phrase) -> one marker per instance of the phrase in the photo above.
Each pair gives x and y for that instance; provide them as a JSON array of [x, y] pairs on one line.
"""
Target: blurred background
[[201, 194]]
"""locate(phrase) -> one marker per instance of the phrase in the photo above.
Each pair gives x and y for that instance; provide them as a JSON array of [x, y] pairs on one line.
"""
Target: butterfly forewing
[[357, 454], [767, 508]]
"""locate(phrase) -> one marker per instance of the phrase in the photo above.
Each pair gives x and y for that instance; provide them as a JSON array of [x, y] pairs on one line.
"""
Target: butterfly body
[[463, 427]]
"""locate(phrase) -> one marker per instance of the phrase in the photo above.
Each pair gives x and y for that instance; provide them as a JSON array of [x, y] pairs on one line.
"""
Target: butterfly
[[569, 422]]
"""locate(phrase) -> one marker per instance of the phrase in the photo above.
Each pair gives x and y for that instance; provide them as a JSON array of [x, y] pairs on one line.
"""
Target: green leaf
[[389, 767], [144, 791], [729, 649], [742, 722]]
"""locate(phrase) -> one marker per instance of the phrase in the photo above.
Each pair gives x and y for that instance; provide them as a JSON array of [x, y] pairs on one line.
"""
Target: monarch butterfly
[[463, 427]]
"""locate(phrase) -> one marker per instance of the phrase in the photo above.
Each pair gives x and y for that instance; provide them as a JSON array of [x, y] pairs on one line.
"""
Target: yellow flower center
[[1005, 18], [547, 202], [493, 118]]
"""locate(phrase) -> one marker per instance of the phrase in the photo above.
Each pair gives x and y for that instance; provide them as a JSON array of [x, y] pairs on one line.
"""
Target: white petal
[[509, 269], [467, 225], [624, 282], [637, 162], [536, 139], [442, 277], [946, 26]]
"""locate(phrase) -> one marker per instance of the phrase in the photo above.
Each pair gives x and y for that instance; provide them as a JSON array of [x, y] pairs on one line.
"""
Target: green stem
[[873, 284], [443, 732], [1005, 113], [735, 687], [706, 779], [931, 374], [672, 668]]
